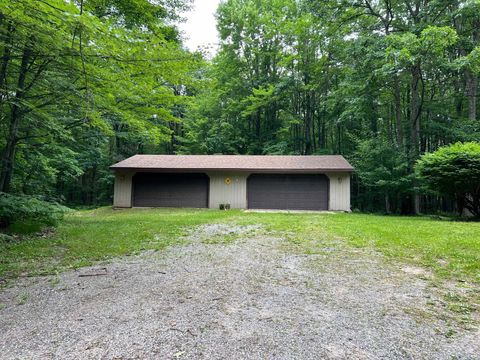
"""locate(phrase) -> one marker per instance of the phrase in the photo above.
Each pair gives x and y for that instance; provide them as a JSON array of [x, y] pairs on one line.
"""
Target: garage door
[[292, 192], [170, 190]]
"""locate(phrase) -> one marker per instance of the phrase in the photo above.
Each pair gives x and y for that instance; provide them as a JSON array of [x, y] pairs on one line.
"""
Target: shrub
[[454, 171], [27, 213]]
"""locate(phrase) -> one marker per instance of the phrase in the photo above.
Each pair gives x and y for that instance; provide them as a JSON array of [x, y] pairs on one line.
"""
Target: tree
[[83, 84], [454, 171], [395, 77], [384, 171]]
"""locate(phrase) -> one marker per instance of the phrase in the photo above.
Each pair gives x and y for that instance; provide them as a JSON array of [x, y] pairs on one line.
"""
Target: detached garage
[[242, 181]]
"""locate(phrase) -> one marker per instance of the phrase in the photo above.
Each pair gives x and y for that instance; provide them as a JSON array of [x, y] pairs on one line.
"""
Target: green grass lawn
[[451, 250]]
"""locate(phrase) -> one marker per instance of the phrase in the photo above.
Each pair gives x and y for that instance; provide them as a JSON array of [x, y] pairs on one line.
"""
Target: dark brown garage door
[[291, 192], [170, 190]]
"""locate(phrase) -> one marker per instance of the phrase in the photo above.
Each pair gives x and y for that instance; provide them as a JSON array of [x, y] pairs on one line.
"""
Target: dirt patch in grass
[[417, 271], [222, 233]]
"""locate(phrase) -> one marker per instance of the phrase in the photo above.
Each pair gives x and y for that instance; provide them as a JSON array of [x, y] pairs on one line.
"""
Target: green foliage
[[454, 170], [430, 45], [366, 79], [474, 60], [26, 214], [84, 84], [383, 169]]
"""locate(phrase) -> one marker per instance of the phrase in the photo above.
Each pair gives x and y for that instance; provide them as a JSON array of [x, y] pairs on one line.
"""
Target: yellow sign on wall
[[228, 181]]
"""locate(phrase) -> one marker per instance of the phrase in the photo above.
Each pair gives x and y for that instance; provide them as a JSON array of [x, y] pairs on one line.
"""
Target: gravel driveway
[[254, 298]]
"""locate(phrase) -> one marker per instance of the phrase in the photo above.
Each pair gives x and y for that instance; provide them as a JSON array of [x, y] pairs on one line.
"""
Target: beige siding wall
[[339, 196], [122, 192], [234, 194]]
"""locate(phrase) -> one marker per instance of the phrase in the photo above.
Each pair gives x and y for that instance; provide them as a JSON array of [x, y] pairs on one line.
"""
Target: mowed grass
[[450, 249], [87, 236]]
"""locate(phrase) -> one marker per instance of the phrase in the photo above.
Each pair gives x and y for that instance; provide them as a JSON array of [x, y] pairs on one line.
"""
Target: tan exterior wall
[[234, 193], [122, 191], [339, 194]]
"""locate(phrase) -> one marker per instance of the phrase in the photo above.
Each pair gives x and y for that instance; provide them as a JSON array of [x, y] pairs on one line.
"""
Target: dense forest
[[86, 83]]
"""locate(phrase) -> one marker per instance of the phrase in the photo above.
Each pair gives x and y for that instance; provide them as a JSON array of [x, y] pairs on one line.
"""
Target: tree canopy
[[85, 83], [380, 82]]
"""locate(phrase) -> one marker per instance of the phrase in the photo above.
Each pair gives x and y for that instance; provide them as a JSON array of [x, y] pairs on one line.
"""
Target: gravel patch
[[248, 299], [413, 270], [214, 233]]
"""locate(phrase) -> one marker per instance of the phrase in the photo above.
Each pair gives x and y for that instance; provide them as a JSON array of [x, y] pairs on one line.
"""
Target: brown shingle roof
[[236, 162]]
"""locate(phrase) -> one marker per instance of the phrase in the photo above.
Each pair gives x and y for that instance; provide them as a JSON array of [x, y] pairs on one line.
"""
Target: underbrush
[[22, 214]]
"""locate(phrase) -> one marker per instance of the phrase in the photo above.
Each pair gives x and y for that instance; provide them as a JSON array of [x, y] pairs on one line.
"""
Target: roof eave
[[113, 167]]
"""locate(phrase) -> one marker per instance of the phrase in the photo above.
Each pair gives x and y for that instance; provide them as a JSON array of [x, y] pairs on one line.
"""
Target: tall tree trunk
[[8, 156], [472, 78], [5, 58], [415, 110], [457, 87], [398, 112], [308, 114], [471, 85], [314, 138], [308, 125], [257, 132], [387, 204]]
